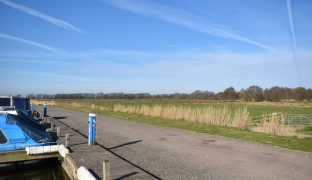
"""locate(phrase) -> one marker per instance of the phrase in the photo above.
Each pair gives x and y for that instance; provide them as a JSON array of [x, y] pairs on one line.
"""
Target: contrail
[[291, 24], [178, 17], [294, 40], [35, 13], [42, 46]]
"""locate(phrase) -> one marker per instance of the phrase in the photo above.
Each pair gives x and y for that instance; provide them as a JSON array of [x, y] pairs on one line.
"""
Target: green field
[[256, 110]]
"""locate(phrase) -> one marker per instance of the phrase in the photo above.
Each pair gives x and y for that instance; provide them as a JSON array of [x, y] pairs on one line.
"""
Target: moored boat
[[18, 128]]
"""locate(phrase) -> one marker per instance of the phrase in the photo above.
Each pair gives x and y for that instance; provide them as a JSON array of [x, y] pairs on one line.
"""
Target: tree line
[[252, 93]]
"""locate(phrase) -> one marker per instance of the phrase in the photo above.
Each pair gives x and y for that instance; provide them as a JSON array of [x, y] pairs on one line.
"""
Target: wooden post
[[58, 131], [106, 170], [67, 140], [52, 126]]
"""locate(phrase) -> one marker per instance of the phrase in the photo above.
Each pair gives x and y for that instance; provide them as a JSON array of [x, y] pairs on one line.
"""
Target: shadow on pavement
[[125, 144], [126, 175], [60, 117]]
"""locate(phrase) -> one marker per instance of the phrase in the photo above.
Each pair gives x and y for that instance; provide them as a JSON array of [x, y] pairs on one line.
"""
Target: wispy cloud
[[294, 40], [179, 71], [35, 13], [291, 23], [42, 46], [179, 17]]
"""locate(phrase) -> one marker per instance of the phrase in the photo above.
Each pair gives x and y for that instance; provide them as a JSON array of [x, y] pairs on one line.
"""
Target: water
[[46, 170]]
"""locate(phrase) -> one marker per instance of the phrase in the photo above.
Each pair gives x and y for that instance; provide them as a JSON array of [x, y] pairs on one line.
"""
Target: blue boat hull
[[20, 131]]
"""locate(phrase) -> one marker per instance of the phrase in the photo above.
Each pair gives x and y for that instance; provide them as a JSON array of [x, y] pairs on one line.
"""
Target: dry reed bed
[[220, 116], [214, 115], [273, 124]]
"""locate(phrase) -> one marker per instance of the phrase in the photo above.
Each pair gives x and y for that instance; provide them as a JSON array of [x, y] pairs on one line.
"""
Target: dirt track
[[177, 154]]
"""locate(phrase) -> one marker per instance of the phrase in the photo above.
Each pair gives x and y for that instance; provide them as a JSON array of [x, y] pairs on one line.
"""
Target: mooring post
[[58, 131], [106, 169], [32, 107], [40, 116], [52, 126], [92, 129], [44, 110], [66, 140]]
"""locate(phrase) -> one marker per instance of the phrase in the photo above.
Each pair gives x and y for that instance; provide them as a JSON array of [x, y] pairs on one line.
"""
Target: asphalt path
[[177, 154]]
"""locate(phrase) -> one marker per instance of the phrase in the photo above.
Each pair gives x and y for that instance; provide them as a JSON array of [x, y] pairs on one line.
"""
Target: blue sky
[[154, 46]]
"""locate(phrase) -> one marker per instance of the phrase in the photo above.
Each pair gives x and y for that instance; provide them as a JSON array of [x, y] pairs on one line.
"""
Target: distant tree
[[142, 96], [201, 95], [45, 96], [229, 94], [274, 94], [288, 93], [208, 95], [309, 94], [242, 95], [219, 96], [58, 96], [179, 96], [253, 93], [38, 96], [300, 93], [196, 94], [31, 96]]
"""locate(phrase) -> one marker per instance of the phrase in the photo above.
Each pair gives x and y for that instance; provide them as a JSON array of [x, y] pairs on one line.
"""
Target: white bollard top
[[92, 114], [63, 150], [84, 174]]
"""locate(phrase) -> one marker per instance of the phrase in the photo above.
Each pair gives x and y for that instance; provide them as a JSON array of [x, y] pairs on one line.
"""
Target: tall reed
[[220, 116], [272, 123]]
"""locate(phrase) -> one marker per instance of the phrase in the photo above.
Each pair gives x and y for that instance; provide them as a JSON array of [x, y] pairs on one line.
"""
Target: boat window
[[3, 139], [5, 101]]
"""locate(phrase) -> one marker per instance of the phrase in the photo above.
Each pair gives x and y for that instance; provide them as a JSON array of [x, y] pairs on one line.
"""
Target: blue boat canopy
[[10, 103]]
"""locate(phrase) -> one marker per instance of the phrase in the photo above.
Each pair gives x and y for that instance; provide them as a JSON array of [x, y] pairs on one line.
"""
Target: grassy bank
[[144, 113]]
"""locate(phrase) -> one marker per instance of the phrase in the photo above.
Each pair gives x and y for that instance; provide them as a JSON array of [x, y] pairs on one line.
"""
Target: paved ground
[[176, 154], [92, 157]]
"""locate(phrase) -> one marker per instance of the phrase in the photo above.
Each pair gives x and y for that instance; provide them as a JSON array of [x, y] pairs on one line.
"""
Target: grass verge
[[306, 130], [304, 144]]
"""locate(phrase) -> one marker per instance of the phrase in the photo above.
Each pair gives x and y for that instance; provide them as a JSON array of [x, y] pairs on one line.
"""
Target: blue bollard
[[44, 110], [92, 129]]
